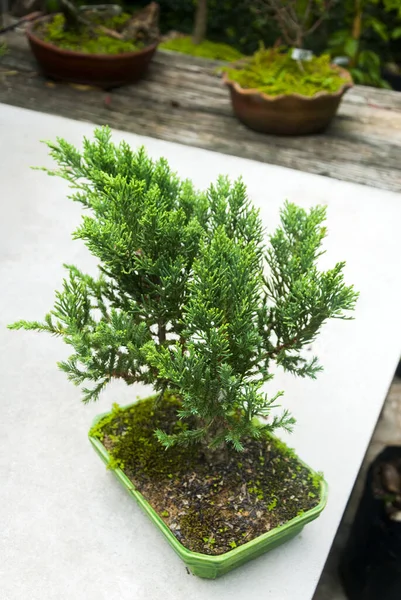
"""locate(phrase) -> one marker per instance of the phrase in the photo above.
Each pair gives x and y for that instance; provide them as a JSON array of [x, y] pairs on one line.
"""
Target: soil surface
[[210, 509]]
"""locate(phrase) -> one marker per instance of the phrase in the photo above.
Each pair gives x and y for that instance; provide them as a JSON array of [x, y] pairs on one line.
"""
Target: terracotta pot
[[103, 70], [287, 114]]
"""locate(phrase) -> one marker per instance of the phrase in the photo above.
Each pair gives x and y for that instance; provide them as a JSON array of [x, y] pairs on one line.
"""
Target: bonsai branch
[[161, 332], [293, 26], [74, 20]]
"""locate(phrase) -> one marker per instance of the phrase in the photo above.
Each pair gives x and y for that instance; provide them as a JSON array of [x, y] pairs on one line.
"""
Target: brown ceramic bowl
[[103, 70], [287, 114]]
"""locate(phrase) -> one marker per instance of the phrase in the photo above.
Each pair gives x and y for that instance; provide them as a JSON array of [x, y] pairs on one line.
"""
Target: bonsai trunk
[[70, 12], [74, 21], [214, 455], [200, 22]]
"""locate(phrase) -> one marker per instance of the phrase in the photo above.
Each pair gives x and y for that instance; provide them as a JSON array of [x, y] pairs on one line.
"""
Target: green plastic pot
[[204, 565]]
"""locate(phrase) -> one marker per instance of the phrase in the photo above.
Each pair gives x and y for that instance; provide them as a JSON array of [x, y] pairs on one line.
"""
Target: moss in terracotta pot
[[104, 48], [275, 72], [273, 92], [93, 31], [84, 40]]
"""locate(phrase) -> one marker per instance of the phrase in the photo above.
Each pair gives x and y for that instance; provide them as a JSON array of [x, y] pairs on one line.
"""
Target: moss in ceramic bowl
[[275, 72]]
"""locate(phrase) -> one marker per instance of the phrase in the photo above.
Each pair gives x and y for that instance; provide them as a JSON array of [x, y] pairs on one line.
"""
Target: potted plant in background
[[197, 44], [183, 302], [105, 47], [287, 90]]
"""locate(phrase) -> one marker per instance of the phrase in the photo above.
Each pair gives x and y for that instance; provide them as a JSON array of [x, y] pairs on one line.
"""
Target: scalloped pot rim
[[31, 35], [348, 83]]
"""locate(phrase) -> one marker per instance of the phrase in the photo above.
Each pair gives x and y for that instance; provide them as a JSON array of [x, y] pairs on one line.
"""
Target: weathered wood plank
[[351, 161], [183, 100]]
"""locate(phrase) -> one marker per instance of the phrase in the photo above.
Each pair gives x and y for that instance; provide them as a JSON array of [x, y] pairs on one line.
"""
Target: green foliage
[[182, 300], [275, 72], [364, 36], [393, 6], [363, 64], [3, 49], [205, 49], [229, 21], [243, 25], [84, 40]]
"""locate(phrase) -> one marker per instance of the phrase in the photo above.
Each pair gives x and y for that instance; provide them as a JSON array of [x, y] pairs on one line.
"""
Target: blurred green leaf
[[351, 47], [396, 33]]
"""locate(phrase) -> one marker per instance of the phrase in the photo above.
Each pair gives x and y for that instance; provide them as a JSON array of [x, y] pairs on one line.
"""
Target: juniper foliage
[[188, 297]]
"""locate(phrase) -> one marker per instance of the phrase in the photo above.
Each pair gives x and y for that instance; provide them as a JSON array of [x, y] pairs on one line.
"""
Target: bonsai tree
[[143, 25], [189, 298]]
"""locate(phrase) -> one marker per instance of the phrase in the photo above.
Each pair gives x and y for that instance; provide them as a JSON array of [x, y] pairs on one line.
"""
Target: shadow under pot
[[286, 114], [102, 70]]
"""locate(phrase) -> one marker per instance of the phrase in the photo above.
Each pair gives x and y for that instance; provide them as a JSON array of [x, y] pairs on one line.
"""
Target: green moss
[[282, 449], [84, 41], [272, 505], [254, 488], [131, 433], [316, 479], [205, 49], [199, 531], [274, 72]]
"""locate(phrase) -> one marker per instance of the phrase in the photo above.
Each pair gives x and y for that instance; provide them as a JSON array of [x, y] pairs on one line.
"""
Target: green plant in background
[[188, 297], [394, 6], [3, 49], [197, 45], [206, 49], [359, 41], [275, 72]]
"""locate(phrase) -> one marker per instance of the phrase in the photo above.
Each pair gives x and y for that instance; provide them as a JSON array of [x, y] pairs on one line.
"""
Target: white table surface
[[68, 531]]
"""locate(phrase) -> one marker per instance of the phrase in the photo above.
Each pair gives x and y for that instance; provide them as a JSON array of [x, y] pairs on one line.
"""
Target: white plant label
[[301, 54]]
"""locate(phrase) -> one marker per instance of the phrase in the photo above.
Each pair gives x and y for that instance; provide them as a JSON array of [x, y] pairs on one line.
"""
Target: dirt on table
[[209, 508]]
